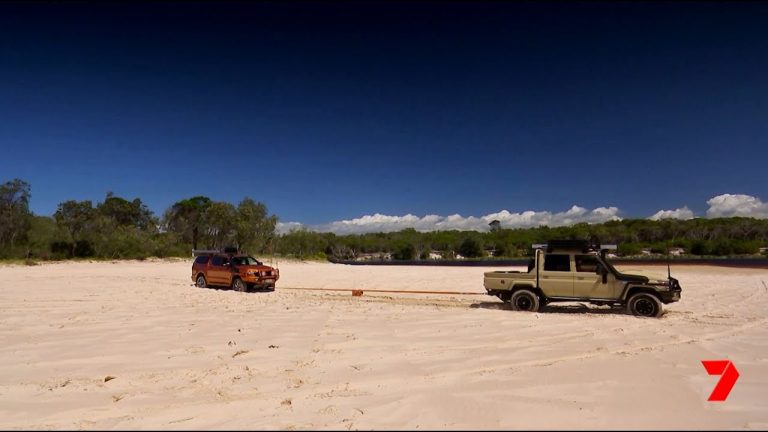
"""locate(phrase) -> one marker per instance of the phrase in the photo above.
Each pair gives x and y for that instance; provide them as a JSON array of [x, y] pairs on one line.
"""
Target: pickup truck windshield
[[249, 260]]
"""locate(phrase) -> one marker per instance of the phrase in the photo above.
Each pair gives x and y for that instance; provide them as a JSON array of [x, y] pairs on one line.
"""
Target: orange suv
[[239, 271]]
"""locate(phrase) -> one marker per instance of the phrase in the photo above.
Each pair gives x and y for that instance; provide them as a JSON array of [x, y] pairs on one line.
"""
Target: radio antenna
[[272, 240], [669, 261]]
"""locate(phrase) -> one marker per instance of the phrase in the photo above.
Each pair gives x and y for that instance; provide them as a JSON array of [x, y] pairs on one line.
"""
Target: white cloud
[[385, 223], [727, 205], [682, 213], [286, 227], [572, 216]]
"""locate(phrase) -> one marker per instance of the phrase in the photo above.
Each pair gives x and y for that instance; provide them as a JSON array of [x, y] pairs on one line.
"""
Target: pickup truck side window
[[556, 262], [202, 259], [586, 263], [217, 261]]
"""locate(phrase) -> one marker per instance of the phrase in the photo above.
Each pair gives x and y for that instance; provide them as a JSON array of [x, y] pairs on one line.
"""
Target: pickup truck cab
[[230, 269], [575, 271]]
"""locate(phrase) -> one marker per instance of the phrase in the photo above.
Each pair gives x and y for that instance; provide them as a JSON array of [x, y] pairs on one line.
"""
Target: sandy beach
[[134, 345]]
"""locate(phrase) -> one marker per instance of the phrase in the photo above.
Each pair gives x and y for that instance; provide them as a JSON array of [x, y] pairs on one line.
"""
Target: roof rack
[[582, 245], [226, 250]]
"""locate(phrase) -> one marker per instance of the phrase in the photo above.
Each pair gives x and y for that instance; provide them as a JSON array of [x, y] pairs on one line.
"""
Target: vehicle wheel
[[525, 300], [239, 285], [201, 282], [645, 305]]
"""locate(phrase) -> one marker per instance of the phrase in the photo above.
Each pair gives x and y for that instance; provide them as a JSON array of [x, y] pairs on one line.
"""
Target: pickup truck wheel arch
[[629, 291], [200, 281], [528, 287]]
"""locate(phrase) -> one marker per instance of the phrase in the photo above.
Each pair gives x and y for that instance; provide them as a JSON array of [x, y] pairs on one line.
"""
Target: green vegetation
[[471, 248], [118, 228], [14, 214], [121, 229], [734, 236]]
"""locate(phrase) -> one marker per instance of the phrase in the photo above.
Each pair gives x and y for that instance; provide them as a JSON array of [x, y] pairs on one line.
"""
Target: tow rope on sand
[[359, 292]]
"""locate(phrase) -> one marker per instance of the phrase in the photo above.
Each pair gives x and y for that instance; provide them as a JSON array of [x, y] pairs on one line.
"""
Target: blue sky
[[327, 112]]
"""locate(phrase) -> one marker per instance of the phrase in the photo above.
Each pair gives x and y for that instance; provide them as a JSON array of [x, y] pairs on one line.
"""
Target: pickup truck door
[[587, 283], [556, 277]]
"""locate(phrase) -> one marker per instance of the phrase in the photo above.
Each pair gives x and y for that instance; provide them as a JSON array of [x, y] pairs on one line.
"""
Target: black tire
[[644, 305], [200, 282], [239, 285], [524, 300]]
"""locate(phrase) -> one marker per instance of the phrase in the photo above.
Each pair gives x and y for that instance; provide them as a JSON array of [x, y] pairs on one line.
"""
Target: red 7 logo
[[729, 376]]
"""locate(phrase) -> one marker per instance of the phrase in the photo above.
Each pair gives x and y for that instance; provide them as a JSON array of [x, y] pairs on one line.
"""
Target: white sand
[[190, 358]]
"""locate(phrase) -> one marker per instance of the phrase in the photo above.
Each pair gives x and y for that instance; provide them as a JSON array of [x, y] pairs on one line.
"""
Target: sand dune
[[190, 358]]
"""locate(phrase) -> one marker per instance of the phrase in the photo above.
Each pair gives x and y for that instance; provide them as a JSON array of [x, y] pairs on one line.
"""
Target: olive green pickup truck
[[576, 271]]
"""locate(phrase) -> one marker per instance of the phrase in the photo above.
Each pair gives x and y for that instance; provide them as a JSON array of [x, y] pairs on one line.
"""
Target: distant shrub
[[699, 247], [502, 250], [629, 249], [84, 249], [61, 249], [404, 252], [471, 248]]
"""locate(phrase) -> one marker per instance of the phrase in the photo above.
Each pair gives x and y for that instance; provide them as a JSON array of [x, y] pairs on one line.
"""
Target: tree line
[[120, 228], [123, 229], [699, 237]]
